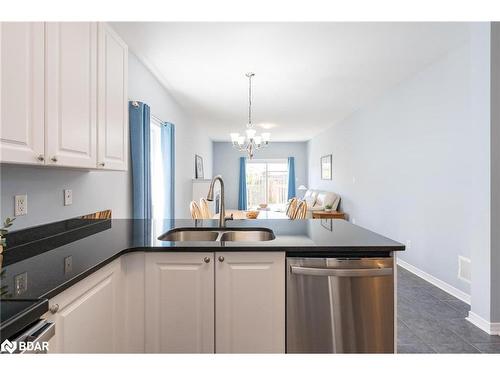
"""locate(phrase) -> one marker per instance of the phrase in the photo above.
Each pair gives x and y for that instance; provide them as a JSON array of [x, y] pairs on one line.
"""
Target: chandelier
[[252, 141]]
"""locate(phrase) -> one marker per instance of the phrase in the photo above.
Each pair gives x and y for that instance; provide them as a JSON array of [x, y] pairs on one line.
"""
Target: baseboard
[[486, 326], [435, 281]]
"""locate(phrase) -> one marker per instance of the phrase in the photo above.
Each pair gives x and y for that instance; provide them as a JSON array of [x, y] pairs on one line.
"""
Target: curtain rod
[[135, 103]]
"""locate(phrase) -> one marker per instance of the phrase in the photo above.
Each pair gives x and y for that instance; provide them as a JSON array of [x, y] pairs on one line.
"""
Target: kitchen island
[[58, 259]]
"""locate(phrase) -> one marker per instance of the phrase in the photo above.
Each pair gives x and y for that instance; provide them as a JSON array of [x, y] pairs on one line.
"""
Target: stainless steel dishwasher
[[338, 305]]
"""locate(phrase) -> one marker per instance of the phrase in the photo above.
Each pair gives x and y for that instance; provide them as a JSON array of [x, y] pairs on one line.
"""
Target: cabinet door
[[250, 302], [22, 92], [179, 303], [112, 140], [90, 317], [71, 101]]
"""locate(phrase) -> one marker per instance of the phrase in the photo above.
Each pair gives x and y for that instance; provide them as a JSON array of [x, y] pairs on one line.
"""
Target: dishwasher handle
[[341, 272]]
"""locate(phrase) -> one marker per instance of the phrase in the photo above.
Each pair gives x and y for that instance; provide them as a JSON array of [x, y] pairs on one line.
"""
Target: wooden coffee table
[[328, 215]]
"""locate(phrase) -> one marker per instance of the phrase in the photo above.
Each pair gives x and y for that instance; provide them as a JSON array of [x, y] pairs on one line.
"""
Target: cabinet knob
[[41, 157], [54, 308], [101, 164], [221, 259], [206, 260], [54, 159]]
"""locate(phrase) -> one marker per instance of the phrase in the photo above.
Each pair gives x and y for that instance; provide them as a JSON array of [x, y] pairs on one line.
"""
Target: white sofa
[[318, 199]]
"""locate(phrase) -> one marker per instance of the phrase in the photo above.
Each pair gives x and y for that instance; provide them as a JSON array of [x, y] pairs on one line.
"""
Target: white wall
[[98, 190], [227, 163], [190, 139], [420, 159]]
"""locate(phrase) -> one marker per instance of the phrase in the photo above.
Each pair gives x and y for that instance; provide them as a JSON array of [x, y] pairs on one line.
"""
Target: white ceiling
[[308, 75]]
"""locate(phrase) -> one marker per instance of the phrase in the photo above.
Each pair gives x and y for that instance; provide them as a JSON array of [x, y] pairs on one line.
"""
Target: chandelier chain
[[250, 75]]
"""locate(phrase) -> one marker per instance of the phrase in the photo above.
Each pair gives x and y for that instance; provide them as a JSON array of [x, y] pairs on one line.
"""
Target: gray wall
[[226, 163], [414, 165], [92, 191], [98, 190]]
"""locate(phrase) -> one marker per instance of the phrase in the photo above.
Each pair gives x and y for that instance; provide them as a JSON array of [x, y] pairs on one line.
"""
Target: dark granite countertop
[[41, 251]]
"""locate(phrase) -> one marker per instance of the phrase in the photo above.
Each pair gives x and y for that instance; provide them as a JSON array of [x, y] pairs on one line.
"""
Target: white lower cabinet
[[230, 302], [250, 302], [175, 302], [89, 318], [179, 303]]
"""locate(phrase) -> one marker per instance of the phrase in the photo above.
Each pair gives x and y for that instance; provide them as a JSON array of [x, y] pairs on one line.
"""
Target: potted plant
[[4, 292], [3, 231], [328, 208]]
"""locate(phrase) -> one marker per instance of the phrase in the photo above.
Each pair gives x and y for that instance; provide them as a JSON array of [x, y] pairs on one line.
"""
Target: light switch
[[68, 197]]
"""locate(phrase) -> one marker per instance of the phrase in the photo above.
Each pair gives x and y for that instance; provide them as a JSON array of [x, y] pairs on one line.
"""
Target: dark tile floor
[[433, 321]]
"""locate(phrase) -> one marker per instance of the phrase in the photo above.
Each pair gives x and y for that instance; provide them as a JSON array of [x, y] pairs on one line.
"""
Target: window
[[157, 178], [267, 182], [162, 169]]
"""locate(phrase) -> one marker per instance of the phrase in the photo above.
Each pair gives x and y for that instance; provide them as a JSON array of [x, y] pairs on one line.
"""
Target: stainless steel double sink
[[218, 234]]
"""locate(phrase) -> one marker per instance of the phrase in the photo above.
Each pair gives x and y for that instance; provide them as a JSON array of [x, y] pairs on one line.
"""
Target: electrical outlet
[[68, 197], [464, 269], [68, 264], [20, 283], [20, 205]]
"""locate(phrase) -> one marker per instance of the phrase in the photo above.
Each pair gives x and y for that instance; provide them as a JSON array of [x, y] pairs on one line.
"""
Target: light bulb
[[251, 133], [241, 140], [234, 137], [266, 137]]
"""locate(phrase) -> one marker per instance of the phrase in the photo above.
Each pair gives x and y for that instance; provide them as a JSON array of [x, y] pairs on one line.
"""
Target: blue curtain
[[242, 196], [140, 132], [168, 156], [291, 177]]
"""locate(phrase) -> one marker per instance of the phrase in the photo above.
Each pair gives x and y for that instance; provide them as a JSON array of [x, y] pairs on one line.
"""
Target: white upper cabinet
[[71, 101], [250, 302], [112, 152], [63, 97], [22, 92]]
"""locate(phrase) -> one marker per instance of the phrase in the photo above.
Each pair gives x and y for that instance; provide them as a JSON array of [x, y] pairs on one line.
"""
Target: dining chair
[[205, 211], [195, 210], [292, 206], [300, 211]]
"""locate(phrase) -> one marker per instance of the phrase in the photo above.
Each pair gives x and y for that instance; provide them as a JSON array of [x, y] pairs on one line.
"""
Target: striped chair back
[[195, 210], [301, 211], [292, 206], [205, 211]]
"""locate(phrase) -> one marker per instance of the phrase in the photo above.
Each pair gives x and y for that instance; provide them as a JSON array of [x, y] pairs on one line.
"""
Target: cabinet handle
[[206, 260], [54, 159], [41, 157], [54, 308], [101, 164], [221, 259]]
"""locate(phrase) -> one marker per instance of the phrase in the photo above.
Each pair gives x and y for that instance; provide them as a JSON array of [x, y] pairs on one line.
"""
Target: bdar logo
[[8, 347]]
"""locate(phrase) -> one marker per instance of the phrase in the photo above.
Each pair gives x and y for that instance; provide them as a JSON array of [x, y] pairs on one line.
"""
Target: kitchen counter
[[58, 255]]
